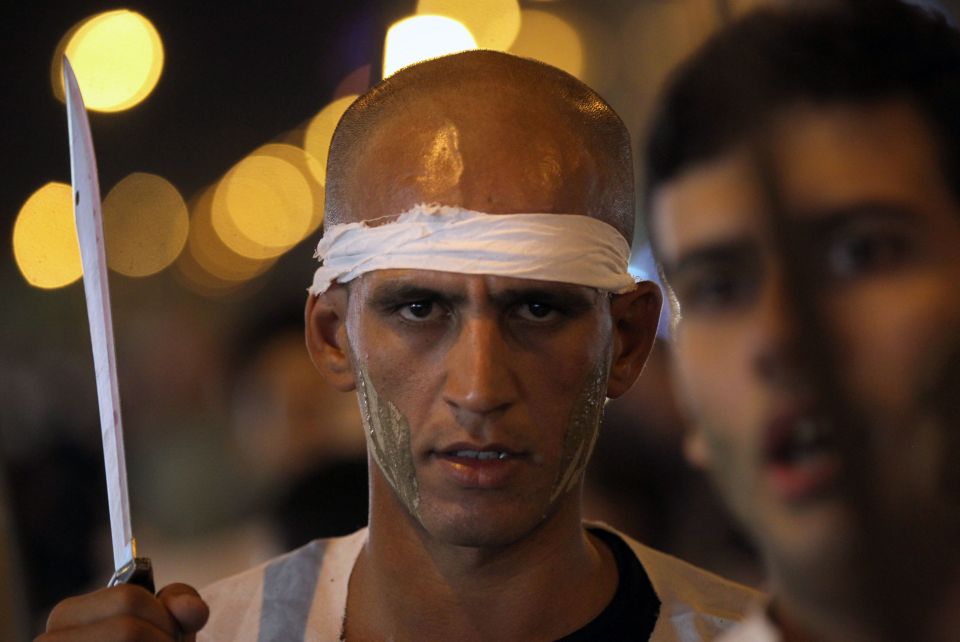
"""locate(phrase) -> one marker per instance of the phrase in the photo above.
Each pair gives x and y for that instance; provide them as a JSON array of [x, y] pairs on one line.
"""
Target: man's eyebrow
[[576, 296], [719, 251], [392, 293], [830, 219]]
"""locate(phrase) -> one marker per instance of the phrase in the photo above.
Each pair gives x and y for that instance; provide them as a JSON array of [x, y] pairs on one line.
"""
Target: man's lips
[[800, 459], [479, 465], [480, 452]]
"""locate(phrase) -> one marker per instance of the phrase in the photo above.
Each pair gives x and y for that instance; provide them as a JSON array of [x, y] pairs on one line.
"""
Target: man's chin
[[809, 547], [489, 530]]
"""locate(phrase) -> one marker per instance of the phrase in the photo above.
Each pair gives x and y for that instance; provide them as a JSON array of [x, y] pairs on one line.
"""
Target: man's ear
[[326, 328], [695, 448], [635, 317]]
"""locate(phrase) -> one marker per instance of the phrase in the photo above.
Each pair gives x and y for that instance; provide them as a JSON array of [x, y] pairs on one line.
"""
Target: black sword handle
[[137, 571]]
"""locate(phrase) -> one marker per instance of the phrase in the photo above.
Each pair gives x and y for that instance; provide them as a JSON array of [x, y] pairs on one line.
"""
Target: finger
[[186, 606], [122, 628], [117, 602]]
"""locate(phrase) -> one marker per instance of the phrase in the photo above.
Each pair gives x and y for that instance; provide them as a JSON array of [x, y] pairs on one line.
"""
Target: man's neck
[[906, 610], [406, 585]]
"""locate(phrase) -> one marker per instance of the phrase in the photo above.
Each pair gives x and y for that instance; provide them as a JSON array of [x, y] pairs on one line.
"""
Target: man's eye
[[713, 291], [419, 311], [535, 311], [865, 252]]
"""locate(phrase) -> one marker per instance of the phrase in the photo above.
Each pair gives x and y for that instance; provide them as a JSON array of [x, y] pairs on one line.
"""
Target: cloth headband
[[545, 247]]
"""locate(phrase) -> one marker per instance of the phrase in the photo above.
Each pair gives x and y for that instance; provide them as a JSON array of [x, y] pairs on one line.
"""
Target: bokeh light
[[145, 224], [494, 24], [117, 56], [210, 260], [308, 167], [316, 141], [262, 207], [550, 39], [45, 244], [195, 278], [423, 37]]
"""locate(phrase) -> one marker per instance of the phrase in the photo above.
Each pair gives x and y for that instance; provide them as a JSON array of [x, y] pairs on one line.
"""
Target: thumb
[[186, 606]]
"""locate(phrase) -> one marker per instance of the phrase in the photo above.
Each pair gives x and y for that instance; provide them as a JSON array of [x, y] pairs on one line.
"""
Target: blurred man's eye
[[712, 290], [865, 250]]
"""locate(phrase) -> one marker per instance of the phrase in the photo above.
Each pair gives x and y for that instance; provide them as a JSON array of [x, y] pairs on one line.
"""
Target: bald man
[[473, 291]]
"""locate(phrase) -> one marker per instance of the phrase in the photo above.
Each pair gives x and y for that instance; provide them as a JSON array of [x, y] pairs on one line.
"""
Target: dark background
[[235, 76]]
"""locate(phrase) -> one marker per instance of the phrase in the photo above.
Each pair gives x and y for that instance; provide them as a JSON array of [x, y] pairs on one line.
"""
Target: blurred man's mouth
[[801, 461]]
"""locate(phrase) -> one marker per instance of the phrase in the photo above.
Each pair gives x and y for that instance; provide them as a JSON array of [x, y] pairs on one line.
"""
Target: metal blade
[[86, 207]]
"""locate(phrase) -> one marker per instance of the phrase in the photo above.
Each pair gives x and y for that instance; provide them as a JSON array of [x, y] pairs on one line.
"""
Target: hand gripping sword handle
[[137, 571]]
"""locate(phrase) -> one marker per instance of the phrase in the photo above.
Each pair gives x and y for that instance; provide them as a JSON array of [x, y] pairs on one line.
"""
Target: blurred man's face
[[878, 232]]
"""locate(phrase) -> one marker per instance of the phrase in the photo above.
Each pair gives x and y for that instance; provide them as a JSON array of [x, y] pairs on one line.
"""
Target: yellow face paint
[[388, 438], [582, 430]]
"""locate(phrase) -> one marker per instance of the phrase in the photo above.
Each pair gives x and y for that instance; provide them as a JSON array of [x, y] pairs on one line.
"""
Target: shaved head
[[485, 131]]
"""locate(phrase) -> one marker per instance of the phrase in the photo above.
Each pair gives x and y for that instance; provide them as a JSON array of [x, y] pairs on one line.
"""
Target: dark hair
[[856, 52]]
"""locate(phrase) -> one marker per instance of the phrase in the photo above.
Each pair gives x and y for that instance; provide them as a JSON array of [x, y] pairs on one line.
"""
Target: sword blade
[[86, 207]]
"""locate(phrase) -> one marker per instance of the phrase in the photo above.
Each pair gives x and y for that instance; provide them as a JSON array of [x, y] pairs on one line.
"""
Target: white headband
[[545, 247]]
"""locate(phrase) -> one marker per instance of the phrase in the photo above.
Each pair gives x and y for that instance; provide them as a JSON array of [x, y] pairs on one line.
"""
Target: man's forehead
[[710, 203], [828, 159], [483, 163], [829, 156]]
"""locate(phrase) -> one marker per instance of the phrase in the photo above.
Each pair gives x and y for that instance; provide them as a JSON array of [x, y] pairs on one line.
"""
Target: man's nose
[[480, 382], [775, 337]]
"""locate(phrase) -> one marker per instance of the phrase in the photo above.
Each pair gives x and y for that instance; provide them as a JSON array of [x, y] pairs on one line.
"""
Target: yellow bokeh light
[[494, 24], [316, 141], [209, 254], [550, 39], [423, 37], [262, 207], [195, 278], [145, 224], [117, 56], [309, 168], [56, 66], [45, 244]]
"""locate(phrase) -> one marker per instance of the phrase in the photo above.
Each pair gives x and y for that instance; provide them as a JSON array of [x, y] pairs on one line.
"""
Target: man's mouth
[[794, 441], [800, 456], [482, 455], [471, 454], [476, 466]]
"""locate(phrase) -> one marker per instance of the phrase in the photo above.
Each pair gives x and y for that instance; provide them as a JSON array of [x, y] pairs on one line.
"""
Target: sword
[[86, 207]]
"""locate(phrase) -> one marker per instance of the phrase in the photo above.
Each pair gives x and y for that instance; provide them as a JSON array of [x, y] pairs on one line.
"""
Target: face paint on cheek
[[388, 438], [582, 430]]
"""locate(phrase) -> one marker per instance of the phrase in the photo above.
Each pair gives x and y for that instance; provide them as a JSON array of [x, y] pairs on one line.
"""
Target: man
[[474, 293], [804, 203]]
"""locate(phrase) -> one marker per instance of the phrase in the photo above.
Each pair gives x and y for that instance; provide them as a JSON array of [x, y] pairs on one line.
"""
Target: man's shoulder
[[282, 590], [694, 603], [757, 627]]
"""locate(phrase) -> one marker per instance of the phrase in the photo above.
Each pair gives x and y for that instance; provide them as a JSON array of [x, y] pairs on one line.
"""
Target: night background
[[221, 407]]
